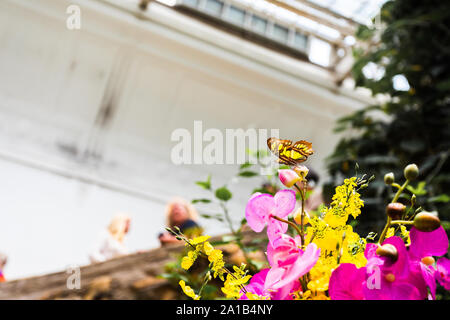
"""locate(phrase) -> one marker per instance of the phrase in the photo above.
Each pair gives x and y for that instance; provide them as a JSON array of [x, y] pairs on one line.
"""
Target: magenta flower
[[289, 262], [262, 207], [256, 285], [392, 279], [425, 245], [346, 282], [383, 278], [443, 272]]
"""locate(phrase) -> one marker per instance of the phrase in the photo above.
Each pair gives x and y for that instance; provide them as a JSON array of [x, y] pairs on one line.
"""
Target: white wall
[[63, 174]]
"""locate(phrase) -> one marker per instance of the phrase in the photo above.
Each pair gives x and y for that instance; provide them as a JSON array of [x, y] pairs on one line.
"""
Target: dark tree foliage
[[414, 126]]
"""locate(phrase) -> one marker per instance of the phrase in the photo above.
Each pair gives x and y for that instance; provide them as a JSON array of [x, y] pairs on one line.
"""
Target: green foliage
[[414, 126], [223, 194]]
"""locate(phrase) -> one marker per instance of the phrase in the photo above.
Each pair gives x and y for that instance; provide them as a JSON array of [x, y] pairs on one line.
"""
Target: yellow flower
[[353, 249], [253, 296], [390, 232], [405, 235], [208, 248], [198, 240], [189, 260], [234, 282], [215, 256], [188, 290]]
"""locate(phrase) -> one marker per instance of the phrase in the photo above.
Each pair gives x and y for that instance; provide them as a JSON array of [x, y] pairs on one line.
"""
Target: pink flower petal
[[346, 282], [370, 250], [443, 272], [301, 266], [284, 203], [258, 210], [428, 276], [283, 251], [392, 291], [424, 244], [273, 276], [275, 229]]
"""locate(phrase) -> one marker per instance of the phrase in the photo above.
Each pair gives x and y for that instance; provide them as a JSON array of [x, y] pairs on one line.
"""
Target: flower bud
[[413, 200], [389, 178], [298, 217], [411, 172], [302, 171], [426, 221], [389, 251], [395, 210], [288, 177]]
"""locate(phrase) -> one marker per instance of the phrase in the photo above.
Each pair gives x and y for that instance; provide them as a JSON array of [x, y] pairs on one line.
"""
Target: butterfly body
[[290, 153]]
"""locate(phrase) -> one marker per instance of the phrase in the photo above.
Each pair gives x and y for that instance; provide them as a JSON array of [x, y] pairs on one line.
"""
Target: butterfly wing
[[303, 147], [288, 153]]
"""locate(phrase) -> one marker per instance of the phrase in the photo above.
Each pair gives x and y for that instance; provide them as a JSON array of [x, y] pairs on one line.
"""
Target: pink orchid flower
[[289, 262], [424, 245], [396, 281], [443, 272], [256, 285], [407, 277], [261, 208], [346, 282]]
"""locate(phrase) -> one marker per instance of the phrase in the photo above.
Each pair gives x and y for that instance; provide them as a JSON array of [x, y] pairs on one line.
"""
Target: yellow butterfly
[[288, 153]]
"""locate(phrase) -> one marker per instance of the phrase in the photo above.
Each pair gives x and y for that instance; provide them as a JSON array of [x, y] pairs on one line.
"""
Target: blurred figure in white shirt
[[111, 242]]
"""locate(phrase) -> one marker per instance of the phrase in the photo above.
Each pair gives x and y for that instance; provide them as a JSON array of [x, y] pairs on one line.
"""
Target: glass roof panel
[[361, 11]]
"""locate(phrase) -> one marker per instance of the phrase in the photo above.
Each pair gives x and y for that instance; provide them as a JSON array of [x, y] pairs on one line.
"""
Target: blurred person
[[181, 214], [111, 243], [3, 261]]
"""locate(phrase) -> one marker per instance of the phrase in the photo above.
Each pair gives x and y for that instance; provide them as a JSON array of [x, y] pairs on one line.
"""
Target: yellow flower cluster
[[337, 240], [235, 281], [215, 257], [346, 202]]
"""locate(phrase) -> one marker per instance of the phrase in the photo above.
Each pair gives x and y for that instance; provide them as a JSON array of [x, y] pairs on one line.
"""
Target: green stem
[[302, 217], [227, 217], [293, 225], [389, 220], [402, 222]]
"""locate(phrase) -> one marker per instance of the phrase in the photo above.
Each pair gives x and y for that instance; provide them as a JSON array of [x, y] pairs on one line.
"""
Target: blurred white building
[[86, 115]]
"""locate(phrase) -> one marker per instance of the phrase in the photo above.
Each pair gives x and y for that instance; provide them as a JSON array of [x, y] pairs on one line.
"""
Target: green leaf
[[223, 194], [419, 190], [211, 216], [205, 184], [245, 165], [201, 200], [248, 174], [440, 198]]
